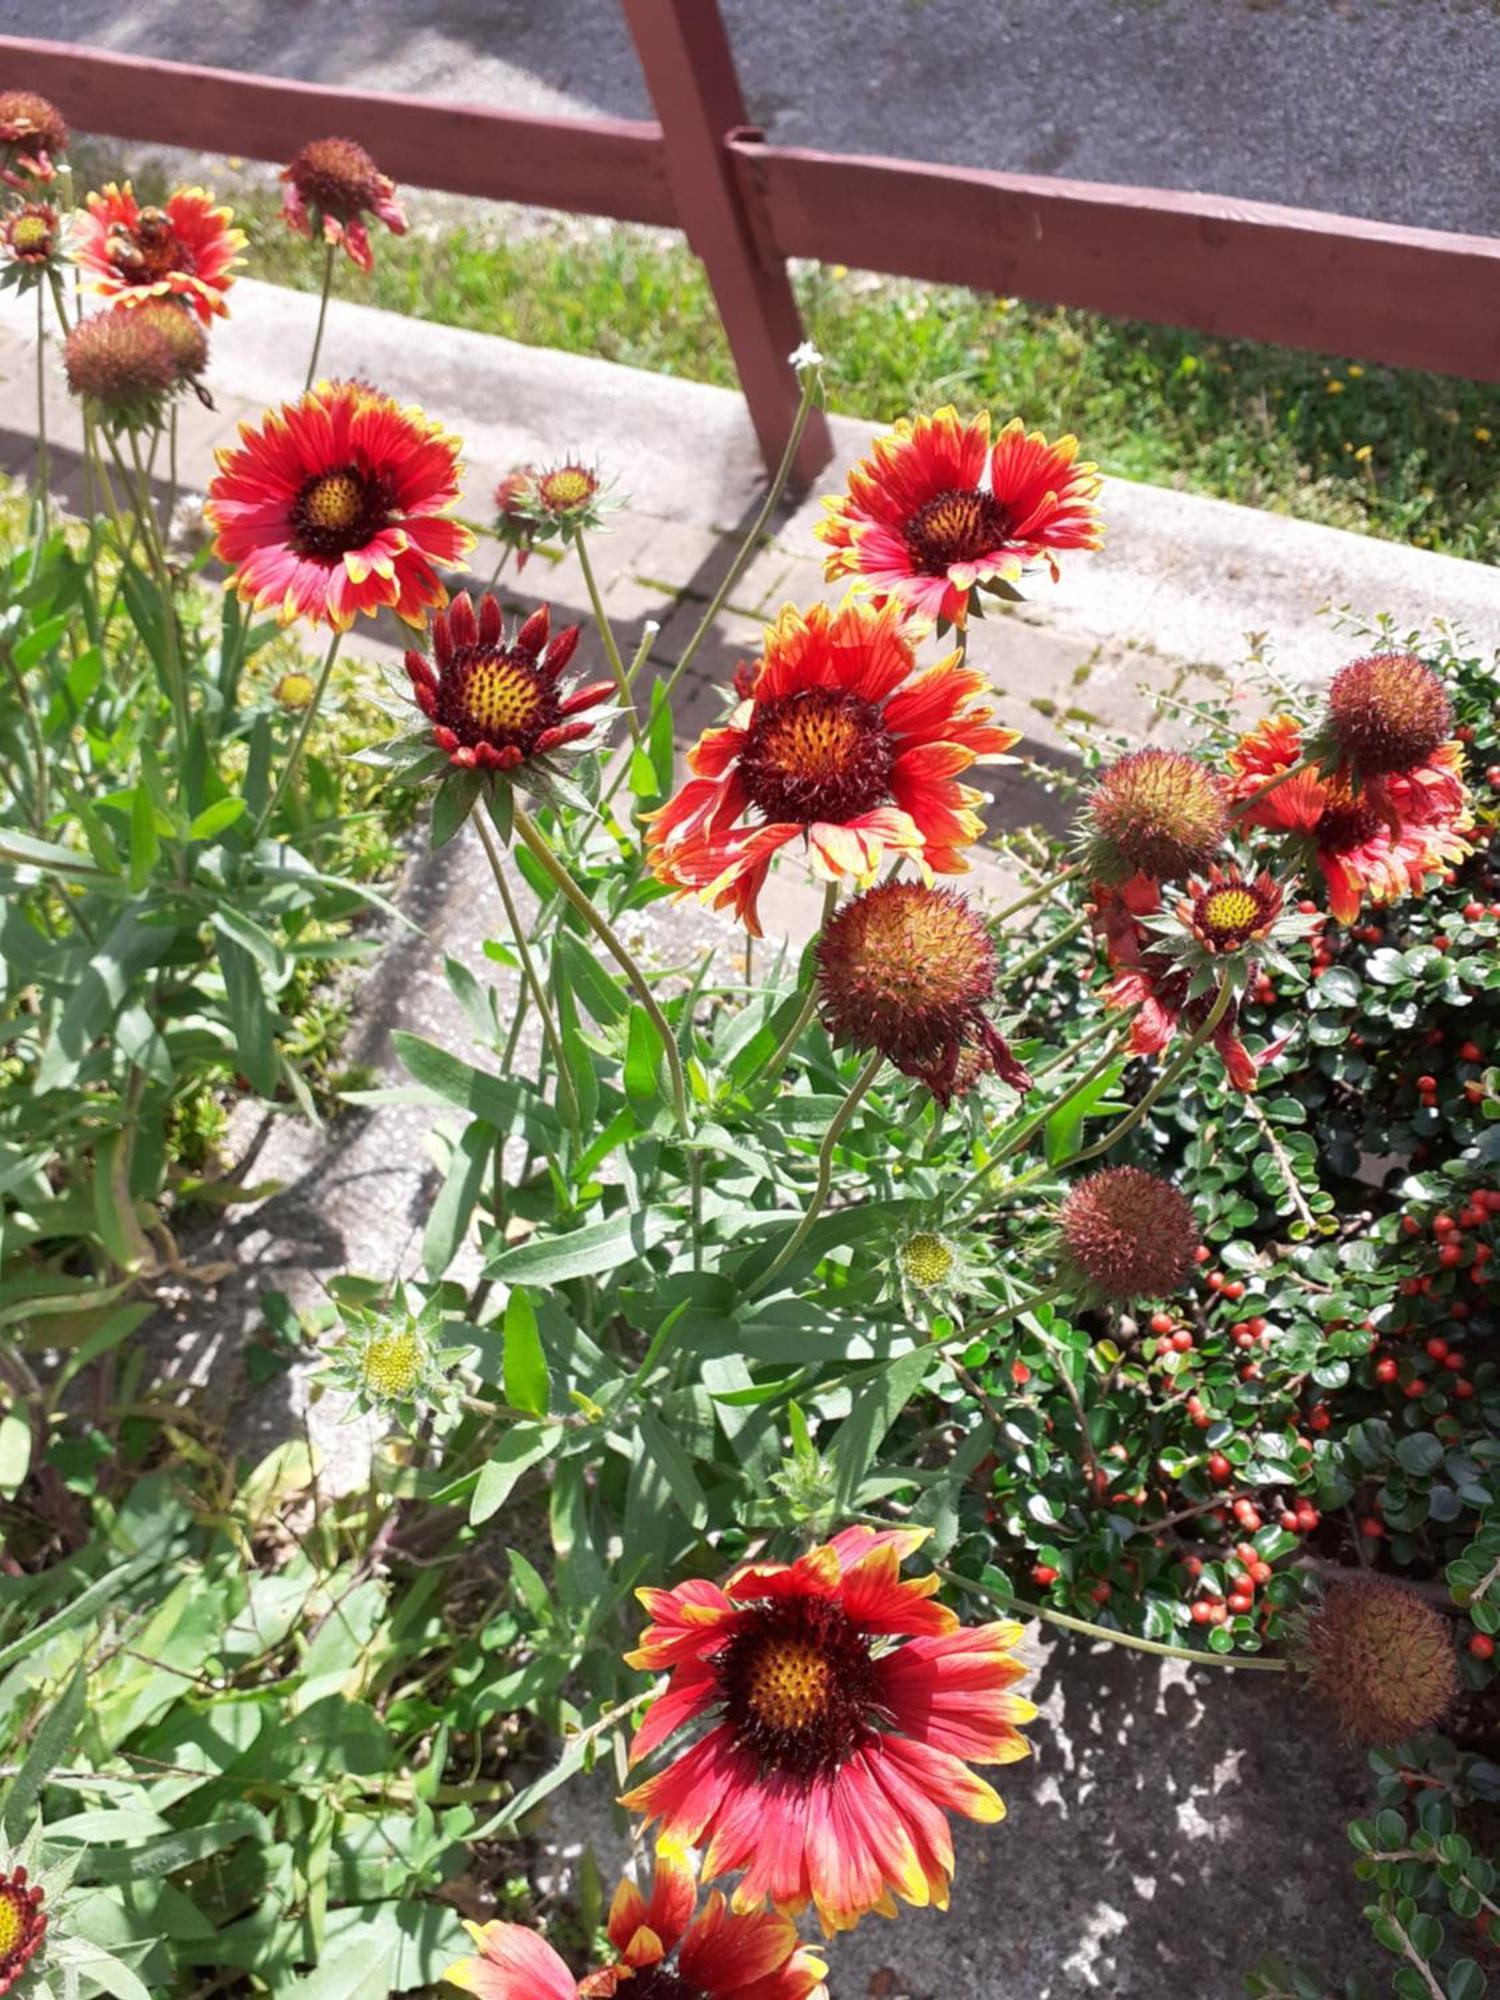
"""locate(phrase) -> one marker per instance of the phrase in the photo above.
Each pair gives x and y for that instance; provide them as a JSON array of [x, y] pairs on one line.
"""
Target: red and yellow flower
[[837, 744], [188, 250], [332, 185], [335, 507], [940, 509], [1380, 840], [845, 1708], [668, 1950], [23, 1926], [492, 705]]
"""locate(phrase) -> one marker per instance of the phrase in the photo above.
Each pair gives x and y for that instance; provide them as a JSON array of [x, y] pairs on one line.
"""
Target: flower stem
[[776, 1061], [1292, 771], [826, 1152], [1038, 894], [757, 528], [566, 1092], [607, 634], [43, 465], [599, 924], [156, 557], [317, 347], [1009, 1601], [288, 769]]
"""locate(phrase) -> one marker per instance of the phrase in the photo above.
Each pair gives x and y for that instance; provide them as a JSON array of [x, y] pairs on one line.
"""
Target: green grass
[[1392, 453]]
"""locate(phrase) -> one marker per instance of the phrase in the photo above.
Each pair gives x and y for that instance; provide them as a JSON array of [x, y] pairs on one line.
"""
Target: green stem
[[607, 634], [312, 366], [1109, 1025], [1047, 948], [566, 1092], [1036, 895], [757, 529], [622, 766], [1291, 771], [288, 770], [599, 924], [826, 1152], [1021, 1139], [776, 1061], [156, 558], [1010, 1602], [38, 745], [43, 465]]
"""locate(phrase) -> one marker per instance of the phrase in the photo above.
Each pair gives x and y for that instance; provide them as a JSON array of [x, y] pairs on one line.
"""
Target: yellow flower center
[[31, 234], [332, 503], [568, 487], [819, 754], [925, 1258], [502, 694], [393, 1363], [788, 1684], [14, 1913], [1229, 911], [295, 690]]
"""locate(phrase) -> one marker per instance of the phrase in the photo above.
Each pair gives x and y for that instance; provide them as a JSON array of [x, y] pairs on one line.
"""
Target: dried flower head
[[909, 970], [332, 185], [184, 333], [32, 136], [1380, 1658], [1156, 813], [495, 703], [121, 365], [1125, 1234], [1387, 712]]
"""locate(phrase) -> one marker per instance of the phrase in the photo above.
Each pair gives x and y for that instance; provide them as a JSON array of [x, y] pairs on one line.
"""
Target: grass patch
[[1387, 452]]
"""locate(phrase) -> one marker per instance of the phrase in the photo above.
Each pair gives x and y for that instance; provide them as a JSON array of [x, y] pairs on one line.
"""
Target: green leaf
[[522, 1446], [448, 1220], [129, 948], [600, 1246], [602, 994], [528, 1385], [1420, 1453], [452, 802], [15, 1452], [49, 1746], [249, 1016], [1064, 1127], [215, 818], [644, 1058], [862, 1432], [1465, 1980], [145, 842], [676, 1468], [509, 1103]]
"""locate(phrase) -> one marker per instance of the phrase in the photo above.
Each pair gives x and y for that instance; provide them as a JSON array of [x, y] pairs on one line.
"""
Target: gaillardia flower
[[1386, 713], [1156, 813], [1380, 1658], [187, 250], [515, 519], [494, 705], [1229, 925], [666, 1951], [33, 135], [1381, 841], [23, 1926], [565, 496], [334, 508], [31, 237], [1124, 1234], [332, 185], [186, 339], [846, 1707], [909, 971], [121, 366], [939, 510], [1169, 980], [837, 745]]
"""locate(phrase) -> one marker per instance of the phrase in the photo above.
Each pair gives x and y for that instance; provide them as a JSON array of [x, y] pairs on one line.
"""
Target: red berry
[[1386, 1369], [1318, 1417], [1415, 1388], [1463, 1389], [1371, 1528], [1482, 1646], [1451, 1253], [1427, 1083], [1235, 1289], [1290, 1522], [1261, 1571], [1411, 1225], [1437, 1347], [1043, 1574], [1220, 1471], [1474, 1092], [1202, 1254], [1100, 1592], [1181, 1341], [1161, 1322], [1443, 1225]]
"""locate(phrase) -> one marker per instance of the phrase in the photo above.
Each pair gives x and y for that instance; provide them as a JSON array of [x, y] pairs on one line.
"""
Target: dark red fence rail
[[1415, 298]]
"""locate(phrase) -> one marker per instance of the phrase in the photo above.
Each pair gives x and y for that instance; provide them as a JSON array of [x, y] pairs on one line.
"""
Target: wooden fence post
[[689, 68]]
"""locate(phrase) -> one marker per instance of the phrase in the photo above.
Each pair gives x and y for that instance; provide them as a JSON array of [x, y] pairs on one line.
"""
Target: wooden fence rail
[[1372, 291]]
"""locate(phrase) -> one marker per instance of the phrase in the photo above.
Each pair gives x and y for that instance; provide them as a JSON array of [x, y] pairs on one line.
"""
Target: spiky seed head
[[1157, 813], [902, 969], [1125, 1234], [1387, 712], [1381, 1658]]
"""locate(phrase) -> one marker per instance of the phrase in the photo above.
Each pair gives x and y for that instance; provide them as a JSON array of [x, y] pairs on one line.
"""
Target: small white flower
[[805, 357]]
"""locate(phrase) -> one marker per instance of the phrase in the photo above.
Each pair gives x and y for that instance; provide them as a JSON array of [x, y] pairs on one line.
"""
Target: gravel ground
[[1384, 108]]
